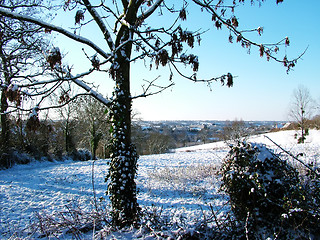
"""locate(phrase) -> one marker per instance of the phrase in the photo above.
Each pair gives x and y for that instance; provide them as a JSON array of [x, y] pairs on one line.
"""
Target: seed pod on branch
[[218, 24], [235, 22], [191, 60], [162, 57], [239, 38], [54, 57], [64, 97], [230, 38], [285, 61], [33, 122], [79, 16], [95, 62], [13, 94], [261, 50], [229, 80], [287, 42], [183, 14]]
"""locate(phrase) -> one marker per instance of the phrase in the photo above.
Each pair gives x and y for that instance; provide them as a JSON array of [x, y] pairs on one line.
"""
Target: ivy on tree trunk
[[123, 166]]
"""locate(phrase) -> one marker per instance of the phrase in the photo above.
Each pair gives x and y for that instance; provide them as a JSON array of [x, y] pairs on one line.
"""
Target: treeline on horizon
[[83, 132]]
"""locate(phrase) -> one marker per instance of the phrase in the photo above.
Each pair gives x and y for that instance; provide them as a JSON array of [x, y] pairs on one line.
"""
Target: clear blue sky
[[262, 89]]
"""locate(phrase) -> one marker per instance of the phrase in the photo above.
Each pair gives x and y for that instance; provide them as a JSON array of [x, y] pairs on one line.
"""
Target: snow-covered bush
[[266, 195], [81, 155], [13, 157]]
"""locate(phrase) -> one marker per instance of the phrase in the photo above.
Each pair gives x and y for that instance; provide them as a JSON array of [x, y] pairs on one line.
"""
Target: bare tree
[[92, 119], [129, 36], [234, 131], [67, 118], [159, 143], [302, 106], [21, 52]]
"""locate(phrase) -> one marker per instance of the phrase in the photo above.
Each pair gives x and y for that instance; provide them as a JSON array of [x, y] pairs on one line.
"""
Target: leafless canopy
[[156, 46]]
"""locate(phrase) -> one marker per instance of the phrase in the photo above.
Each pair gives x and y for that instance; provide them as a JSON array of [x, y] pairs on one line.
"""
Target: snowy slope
[[182, 183], [283, 138]]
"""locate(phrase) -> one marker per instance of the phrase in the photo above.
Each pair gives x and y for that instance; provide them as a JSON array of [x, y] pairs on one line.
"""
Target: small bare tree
[[92, 119], [302, 106], [159, 143], [234, 131], [21, 60], [67, 118]]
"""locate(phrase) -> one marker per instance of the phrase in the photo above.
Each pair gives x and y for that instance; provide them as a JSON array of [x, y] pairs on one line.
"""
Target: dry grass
[[186, 178]]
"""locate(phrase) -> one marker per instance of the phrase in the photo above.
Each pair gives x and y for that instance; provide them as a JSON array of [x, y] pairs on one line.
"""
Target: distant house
[[197, 128]]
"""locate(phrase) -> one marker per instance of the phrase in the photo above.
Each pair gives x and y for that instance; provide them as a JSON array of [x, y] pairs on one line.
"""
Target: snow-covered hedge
[[13, 157], [81, 155], [267, 196]]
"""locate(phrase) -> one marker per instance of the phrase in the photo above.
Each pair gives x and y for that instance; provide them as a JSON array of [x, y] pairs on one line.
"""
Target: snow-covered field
[[181, 185]]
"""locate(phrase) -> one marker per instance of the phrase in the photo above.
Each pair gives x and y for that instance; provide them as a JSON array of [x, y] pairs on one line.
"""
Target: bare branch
[[193, 77], [15, 109], [83, 85], [294, 157], [150, 11], [147, 92], [265, 49], [100, 23], [125, 3], [55, 29], [92, 92]]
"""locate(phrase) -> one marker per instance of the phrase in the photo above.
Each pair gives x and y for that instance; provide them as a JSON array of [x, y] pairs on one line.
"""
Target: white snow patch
[[182, 183]]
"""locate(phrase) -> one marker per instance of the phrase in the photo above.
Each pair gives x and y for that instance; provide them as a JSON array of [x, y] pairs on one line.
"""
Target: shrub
[[266, 195], [12, 157], [81, 155]]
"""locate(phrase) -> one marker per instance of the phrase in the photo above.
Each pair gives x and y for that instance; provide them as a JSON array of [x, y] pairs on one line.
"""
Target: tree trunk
[[302, 125], [122, 186], [69, 138], [5, 134], [123, 167], [5, 130]]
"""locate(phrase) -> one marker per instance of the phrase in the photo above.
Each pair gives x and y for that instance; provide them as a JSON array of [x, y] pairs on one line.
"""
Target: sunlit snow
[[182, 183]]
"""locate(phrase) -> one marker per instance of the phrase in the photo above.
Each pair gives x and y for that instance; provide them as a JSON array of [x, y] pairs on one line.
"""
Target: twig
[[294, 157], [246, 226], [215, 217], [93, 187]]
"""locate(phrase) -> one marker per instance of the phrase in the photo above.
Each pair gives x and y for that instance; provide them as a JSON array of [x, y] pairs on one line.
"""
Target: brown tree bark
[[5, 129]]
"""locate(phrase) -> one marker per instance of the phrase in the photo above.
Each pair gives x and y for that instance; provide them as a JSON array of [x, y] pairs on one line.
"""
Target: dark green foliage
[[81, 155], [267, 195], [12, 157], [302, 138]]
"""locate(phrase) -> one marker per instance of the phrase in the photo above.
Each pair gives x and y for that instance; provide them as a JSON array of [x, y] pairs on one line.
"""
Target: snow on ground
[[283, 138], [182, 184]]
